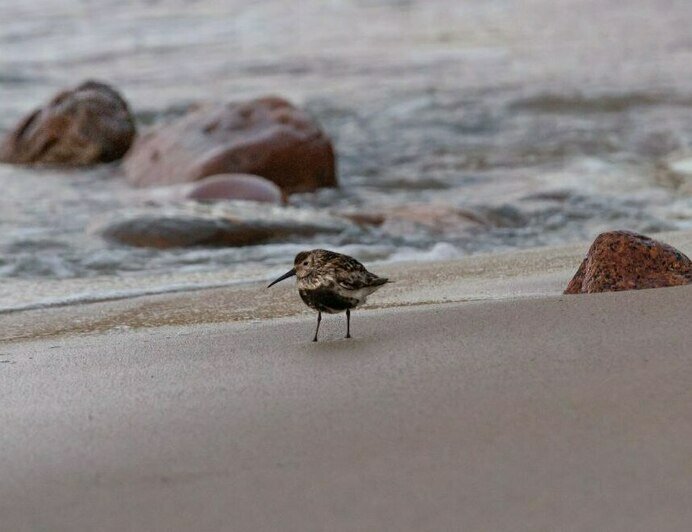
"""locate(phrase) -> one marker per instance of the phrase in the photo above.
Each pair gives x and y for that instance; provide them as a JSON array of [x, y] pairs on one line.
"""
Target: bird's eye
[[305, 263]]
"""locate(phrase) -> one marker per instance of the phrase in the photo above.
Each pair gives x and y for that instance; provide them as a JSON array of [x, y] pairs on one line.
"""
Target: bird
[[331, 282]]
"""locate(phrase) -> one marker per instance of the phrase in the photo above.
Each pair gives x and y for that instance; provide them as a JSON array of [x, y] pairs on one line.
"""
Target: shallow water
[[517, 123]]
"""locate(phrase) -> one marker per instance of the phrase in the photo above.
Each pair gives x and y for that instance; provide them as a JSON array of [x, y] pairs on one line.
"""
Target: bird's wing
[[352, 275]]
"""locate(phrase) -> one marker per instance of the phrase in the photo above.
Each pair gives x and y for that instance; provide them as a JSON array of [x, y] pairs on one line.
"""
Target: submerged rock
[[87, 125], [434, 218], [226, 187], [236, 186], [437, 219], [228, 224], [268, 137], [364, 218], [622, 260]]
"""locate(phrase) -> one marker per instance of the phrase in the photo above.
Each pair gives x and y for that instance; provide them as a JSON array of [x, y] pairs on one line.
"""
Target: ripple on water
[[466, 128]]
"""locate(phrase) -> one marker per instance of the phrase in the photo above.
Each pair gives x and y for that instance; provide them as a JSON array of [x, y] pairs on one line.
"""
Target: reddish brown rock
[[268, 137], [621, 260], [436, 218], [365, 218], [236, 186], [86, 125]]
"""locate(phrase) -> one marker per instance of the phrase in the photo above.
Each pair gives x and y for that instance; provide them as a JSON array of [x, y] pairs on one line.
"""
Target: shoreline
[[495, 276], [528, 273]]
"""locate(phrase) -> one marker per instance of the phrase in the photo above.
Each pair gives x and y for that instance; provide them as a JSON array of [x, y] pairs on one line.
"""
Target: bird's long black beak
[[284, 276]]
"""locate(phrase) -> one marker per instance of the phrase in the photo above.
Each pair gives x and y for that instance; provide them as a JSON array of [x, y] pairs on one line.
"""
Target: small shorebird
[[331, 282]]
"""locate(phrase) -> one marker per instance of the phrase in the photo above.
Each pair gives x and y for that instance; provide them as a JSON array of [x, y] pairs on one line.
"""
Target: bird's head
[[303, 265]]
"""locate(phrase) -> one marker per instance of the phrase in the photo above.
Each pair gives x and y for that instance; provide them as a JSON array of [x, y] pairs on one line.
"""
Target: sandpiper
[[331, 282]]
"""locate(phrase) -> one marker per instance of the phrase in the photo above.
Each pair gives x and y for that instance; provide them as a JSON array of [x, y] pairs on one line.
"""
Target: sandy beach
[[530, 273], [523, 411], [149, 380]]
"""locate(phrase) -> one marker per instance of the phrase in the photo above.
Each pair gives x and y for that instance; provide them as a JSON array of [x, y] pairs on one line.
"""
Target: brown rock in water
[[268, 137], [622, 260], [365, 218], [436, 218], [217, 224], [236, 186], [86, 125], [168, 232]]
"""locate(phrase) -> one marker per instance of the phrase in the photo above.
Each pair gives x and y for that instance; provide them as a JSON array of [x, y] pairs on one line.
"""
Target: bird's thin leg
[[348, 323], [319, 319]]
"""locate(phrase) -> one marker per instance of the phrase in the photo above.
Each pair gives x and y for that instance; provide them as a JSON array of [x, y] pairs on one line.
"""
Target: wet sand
[[522, 274], [546, 413]]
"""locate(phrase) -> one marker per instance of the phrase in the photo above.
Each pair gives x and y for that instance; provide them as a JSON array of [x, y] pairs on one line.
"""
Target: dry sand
[[551, 413]]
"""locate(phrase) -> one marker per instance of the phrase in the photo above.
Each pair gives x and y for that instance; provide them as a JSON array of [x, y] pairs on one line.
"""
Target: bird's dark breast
[[326, 300]]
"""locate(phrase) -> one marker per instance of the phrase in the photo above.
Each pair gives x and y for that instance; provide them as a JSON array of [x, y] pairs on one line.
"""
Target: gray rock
[[228, 224]]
